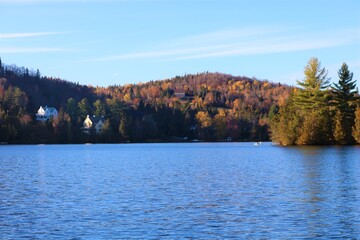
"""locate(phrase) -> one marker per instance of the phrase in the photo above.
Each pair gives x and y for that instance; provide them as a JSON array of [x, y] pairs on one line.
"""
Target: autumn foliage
[[205, 106]]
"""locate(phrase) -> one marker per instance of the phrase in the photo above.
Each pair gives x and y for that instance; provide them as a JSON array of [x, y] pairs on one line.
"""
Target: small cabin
[[93, 122], [180, 95], [46, 113]]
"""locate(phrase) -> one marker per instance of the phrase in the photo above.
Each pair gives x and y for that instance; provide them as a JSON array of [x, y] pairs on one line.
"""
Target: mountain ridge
[[216, 105]]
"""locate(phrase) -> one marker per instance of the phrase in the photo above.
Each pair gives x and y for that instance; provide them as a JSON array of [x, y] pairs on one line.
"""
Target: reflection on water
[[329, 176], [220, 190]]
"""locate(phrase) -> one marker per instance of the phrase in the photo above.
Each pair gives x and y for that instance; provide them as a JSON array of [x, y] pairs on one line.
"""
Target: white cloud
[[269, 46], [65, 1], [229, 35], [44, 1], [155, 54], [29, 50], [28, 34], [249, 41]]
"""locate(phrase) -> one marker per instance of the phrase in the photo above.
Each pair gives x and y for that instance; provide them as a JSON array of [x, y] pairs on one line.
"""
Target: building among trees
[[93, 123], [46, 113], [204, 106]]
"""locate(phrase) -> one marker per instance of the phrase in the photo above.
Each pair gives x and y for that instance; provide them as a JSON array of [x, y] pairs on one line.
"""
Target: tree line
[[317, 112], [205, 106]]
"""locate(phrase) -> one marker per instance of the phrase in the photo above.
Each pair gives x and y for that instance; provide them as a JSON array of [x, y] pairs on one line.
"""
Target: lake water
[[177, 191]]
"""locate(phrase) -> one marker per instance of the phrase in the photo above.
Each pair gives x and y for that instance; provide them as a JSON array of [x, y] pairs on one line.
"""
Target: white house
[[44, 114], [93, 122]]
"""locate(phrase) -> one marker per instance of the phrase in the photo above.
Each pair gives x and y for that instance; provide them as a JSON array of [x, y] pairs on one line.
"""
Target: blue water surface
[[179, 191]]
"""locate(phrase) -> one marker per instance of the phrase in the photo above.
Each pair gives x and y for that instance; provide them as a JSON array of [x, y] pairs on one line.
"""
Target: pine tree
[[344, 96], [84, 107], [38, 75], [305, 119], [312, 100], [313, 93], [345, 91], [72, 109], [1, 69], [106, 133]]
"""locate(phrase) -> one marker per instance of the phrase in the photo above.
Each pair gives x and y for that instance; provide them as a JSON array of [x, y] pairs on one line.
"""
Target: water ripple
[[176, 191]]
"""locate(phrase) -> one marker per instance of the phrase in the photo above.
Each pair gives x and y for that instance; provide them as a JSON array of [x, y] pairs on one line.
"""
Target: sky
[[116, 42]]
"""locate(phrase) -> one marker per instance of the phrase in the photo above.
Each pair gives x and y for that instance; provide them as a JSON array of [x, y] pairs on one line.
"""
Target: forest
[[318, 113], [205, 106], [194, 107]]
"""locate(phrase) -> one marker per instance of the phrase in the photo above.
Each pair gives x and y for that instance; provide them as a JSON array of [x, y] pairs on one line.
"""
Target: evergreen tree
[[38, 75], [84, 108], [306, 118], [72, 109], [344, 96], [99, 108], [313, 93], [106, 133], [116, 109], [1, 69], [62, 127], [345, 91], [312, 100]]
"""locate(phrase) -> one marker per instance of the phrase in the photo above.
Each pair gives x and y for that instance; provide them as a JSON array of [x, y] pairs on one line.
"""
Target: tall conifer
[[313, 93], [344, 91], [344, 96]]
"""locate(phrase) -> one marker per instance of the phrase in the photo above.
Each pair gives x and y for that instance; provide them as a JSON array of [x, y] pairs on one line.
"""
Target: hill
[[205, 106]]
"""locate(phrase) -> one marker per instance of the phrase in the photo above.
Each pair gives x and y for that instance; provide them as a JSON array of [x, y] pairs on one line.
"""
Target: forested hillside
[[204, 106]]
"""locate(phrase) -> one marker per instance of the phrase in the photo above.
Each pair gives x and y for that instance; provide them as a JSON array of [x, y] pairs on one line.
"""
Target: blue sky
[[107, 42]]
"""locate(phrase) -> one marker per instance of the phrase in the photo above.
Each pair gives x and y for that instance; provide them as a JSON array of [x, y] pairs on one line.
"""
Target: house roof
[[47, 110], [51, 109], [95, 119], [179, 94]]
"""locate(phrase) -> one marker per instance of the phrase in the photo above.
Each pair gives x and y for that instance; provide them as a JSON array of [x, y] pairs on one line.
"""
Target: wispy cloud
[[249, 41], [27, 34], [30, 50], [268, 46], [47, 1], [70, 1], [21, 46], [230, 35], [155, 54], [87, 1]]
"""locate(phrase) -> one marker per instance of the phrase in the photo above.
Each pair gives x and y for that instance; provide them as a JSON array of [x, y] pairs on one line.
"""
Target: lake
[[177, 191]]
